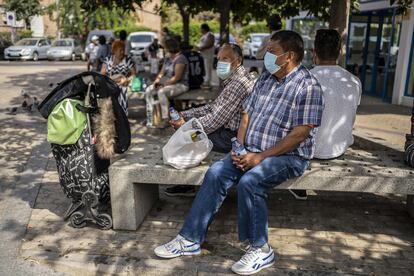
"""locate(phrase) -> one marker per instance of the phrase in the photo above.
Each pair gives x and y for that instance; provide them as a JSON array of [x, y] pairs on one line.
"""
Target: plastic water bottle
[[237, 147], [174, 115]]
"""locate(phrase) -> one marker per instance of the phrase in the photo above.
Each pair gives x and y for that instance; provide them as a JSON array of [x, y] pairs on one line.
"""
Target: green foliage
[[403, 5], [24, 34], [131, 29], [74, 21], [125, 5], [259, 27], [195, 33], [5, 36], [24, 9]]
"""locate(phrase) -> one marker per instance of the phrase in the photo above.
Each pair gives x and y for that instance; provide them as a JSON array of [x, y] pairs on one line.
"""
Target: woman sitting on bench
[[170, 82]]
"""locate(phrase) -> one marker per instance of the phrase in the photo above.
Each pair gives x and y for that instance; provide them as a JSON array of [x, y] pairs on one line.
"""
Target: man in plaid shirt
[[277, 128], [221, 119]]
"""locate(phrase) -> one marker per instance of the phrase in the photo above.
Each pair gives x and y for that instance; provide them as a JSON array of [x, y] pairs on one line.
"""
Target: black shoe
[[299, 194], [180, 190]]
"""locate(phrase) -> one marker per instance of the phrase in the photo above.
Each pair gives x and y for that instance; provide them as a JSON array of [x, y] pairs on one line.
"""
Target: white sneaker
[[253, 261], [179, 246]]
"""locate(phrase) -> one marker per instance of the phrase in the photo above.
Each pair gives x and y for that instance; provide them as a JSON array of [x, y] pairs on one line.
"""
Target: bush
[[195, 33], [131, 29], [5, 36], [259, 27], [24, 34]]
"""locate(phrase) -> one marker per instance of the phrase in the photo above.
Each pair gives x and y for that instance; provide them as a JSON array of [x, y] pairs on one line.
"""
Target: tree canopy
[[24, 10]]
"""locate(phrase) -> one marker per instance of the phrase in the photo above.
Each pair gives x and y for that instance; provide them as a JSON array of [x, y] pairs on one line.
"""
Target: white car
[[139, 41], [252, 44]]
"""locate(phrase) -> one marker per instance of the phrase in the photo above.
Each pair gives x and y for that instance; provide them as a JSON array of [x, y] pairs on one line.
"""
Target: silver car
[[65, 49], [28, 49]]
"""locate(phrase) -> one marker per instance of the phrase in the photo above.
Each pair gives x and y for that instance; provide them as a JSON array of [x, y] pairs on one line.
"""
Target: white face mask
[[224, 69], [270, 62]]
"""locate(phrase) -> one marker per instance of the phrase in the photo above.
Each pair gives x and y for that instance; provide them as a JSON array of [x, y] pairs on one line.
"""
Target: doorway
[[372, 50]]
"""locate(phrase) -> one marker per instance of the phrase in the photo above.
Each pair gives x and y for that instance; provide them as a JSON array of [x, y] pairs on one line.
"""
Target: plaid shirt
[[275, 108], [226, 109]]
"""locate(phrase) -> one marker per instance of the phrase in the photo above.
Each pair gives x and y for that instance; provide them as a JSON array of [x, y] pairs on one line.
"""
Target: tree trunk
[[339, 20], [186, 24], [224, 8]]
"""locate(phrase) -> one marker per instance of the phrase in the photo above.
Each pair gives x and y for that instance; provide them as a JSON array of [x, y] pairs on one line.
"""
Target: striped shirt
[[226, 109], [275, 108]]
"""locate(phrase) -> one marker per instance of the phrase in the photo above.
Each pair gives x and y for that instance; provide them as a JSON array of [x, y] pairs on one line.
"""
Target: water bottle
[[174, 115], [237, 147]]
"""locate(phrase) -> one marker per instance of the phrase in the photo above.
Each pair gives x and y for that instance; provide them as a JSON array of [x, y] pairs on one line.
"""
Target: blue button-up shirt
[[275, 108]]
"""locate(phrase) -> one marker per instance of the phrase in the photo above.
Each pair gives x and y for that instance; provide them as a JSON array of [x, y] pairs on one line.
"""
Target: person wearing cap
[[92, 53], [274, 23]]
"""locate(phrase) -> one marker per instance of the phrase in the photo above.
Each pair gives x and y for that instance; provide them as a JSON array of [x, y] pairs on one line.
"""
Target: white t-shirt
[[203, 43], [342, 93]]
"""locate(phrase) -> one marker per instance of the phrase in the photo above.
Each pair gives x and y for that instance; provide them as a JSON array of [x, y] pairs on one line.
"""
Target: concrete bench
[[135, 177]]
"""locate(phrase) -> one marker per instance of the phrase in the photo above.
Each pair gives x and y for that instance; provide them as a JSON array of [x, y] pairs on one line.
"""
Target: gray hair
[[238, 52]]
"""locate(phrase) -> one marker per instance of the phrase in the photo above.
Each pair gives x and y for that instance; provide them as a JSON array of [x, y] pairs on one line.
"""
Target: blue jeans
[[252, 190]]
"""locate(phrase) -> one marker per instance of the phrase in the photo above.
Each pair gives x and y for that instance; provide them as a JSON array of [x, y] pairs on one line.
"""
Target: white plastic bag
[[181, 152]]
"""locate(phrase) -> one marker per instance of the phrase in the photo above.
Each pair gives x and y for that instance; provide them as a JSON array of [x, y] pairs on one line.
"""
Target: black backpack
[[196, 71], [104, 87]]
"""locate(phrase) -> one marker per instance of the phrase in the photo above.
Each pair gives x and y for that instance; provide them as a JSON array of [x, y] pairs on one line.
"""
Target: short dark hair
[[274, 22], [172, 46], [123, 35], [102, 39], [290, 41], [205, 27], [327, 44]]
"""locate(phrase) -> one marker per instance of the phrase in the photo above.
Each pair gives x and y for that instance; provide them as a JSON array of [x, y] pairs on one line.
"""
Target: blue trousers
[[252, 190]]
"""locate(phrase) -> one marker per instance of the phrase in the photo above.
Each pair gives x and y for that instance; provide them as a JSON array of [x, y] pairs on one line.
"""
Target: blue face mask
[[223, 69], [270, 62]]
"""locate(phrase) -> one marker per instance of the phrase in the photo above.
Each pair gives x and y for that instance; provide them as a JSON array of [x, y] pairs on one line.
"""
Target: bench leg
[[130, 202], [410, 205]]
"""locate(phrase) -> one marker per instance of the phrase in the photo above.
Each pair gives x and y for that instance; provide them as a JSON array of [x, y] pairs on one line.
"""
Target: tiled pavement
[[329, 234]]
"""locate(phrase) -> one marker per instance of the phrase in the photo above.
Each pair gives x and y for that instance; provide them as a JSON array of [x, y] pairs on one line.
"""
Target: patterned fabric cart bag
[[86, 127]]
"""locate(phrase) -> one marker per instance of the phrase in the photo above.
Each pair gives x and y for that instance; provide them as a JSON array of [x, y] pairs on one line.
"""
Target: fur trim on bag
[[104, 126]]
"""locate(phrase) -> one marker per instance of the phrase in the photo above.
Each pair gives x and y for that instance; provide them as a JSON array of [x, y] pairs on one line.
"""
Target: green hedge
[[24, 34], [259, 27], [131, 29], [5, 36], [195, 33]]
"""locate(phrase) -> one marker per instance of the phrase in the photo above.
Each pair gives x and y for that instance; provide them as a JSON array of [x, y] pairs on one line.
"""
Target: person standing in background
[[92, 53], [152, 53], [206, 48], [123, 37], [274, 23], [104, 51]]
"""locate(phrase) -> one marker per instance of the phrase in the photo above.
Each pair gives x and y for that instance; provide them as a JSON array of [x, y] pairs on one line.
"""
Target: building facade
[[380, 49]]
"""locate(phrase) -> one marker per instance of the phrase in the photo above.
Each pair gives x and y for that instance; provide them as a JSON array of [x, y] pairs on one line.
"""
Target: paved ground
[[330, 234]]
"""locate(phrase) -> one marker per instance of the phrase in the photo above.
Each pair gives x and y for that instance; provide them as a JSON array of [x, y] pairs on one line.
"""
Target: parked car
[[139, 41], [28, 49], [3, 45], [217, 41], [252, 44], [65, 49]]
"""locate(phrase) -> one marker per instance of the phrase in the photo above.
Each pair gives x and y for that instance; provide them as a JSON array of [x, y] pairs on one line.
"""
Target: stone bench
[[134, 178]]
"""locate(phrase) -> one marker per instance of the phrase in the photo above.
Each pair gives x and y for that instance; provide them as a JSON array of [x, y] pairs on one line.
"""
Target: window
[[409, 91]]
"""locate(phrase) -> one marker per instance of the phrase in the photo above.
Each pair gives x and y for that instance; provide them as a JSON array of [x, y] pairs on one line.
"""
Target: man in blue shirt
[[278, 127]]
